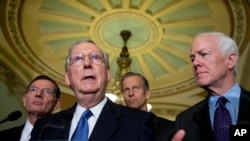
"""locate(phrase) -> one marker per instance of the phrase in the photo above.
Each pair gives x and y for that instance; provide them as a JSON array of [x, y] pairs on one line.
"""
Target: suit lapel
[[243, 114], [61, 128], [203, 121], [67, 123], [106, 125]]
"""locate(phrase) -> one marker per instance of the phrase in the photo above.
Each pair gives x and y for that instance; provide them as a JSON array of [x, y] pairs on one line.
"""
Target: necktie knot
[[86, 114], [222, 100]]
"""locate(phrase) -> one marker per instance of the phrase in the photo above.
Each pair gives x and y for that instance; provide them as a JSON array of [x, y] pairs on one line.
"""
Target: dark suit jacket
[[162, 128], [116, 123], [12, 134], [196, 121]]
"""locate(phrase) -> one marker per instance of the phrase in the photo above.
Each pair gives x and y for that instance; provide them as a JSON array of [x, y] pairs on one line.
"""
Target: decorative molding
[[239, 21], [12, 81], [174, 89], [12, 24]]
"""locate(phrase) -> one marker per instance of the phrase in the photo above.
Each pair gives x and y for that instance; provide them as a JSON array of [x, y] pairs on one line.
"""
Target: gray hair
[[105, 55], [226, 45]]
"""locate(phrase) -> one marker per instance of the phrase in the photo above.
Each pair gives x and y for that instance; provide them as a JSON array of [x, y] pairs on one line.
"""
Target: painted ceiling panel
[[154, 66], [94, 4], [136, 3], [180, 45], [188, 30], [175, 51], [187, 13], [158, 5], [57, 7], [116, 3], [136, 65], [55, 27], [177, 62], [58, 45]]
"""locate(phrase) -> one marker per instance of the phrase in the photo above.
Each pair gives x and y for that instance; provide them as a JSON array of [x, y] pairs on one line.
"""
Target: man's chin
[[88, 91], [202, 84], [131, 105]]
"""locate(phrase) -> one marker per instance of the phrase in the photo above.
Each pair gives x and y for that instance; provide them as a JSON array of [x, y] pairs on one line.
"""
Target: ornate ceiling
[[36, 35]]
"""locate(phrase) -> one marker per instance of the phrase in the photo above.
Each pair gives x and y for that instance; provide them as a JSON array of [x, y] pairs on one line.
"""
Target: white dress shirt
[[96, 111], [26, 131]]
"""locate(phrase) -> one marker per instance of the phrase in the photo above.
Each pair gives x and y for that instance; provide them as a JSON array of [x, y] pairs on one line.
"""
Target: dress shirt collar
[[26, 131], [96, 111], [232, 96]]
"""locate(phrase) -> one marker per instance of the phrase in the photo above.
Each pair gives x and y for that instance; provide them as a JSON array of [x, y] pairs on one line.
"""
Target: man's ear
[[58, 104], [148, 94], [24, 100], [232, 60], [66, 77], [108, 75]]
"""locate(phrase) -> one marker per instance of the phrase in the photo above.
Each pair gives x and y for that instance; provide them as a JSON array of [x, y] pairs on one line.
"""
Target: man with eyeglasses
[[135, 91], [41, 98], [87, 74]]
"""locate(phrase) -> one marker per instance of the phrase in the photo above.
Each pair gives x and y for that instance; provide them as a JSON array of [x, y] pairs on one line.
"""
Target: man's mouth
[[89, 77], [37, 102]]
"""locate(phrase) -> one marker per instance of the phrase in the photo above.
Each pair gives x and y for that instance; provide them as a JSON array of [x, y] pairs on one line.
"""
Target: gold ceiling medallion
[[145, 31]]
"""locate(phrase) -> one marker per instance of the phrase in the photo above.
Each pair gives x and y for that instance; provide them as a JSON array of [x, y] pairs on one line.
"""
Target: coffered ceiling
[[36, 35]]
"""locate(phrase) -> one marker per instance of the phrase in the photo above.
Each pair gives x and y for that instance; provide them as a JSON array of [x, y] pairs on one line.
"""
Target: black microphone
[[12, 116]]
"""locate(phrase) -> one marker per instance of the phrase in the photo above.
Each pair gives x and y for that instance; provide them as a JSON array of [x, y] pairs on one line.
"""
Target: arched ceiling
[[40, 32]]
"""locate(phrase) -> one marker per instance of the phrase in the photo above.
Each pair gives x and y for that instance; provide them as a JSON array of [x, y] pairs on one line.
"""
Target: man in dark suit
[[135, 90], [40, 99], [88, 73], [215, 62]]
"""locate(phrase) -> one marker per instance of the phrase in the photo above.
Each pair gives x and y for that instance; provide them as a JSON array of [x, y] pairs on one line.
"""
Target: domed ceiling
[[40, 32]]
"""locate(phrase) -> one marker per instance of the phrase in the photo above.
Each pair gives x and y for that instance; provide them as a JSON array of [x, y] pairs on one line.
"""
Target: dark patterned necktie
[[222, 121], [82, 129]]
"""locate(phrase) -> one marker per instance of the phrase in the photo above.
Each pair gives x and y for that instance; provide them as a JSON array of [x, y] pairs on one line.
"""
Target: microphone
[[12, 116]]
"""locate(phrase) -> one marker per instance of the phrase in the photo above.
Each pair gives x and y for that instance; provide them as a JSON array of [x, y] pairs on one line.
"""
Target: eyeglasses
[[44, 91], [134, 90], [78, 59]]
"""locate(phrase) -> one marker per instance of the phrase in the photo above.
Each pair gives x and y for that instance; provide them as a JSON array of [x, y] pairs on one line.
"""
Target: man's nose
[[195, 61], [87, 61], [130, 93], [39, 93]]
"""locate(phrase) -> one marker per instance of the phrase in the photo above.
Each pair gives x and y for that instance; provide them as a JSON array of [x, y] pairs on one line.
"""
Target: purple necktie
[[82, 129], [222, 121]]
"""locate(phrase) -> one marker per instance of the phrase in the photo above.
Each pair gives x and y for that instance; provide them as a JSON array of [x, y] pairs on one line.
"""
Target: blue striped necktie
[[82, 129]]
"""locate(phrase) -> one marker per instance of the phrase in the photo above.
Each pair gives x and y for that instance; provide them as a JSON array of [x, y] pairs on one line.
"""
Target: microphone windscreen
[[14, 115]]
